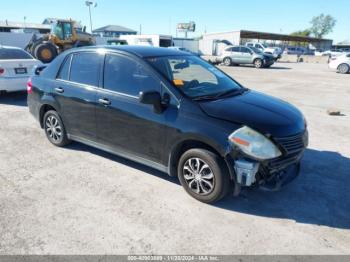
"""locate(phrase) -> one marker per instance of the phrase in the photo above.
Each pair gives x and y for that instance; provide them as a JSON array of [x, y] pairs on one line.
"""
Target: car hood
[[268, 56], [266, 114]]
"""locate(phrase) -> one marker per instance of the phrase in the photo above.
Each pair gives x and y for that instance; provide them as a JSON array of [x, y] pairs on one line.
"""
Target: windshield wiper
[[231, 92]]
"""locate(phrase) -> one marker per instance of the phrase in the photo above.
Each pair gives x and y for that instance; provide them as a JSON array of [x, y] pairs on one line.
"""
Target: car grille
[[293, 144], [292, 150]]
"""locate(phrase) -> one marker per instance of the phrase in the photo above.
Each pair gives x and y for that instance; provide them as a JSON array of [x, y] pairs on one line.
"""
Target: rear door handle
[[104, 101], [59, 89]]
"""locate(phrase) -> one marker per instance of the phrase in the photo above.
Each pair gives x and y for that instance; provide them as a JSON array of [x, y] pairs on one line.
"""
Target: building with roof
[[21, 27], [343, 45], [212, 43], [113, 31]]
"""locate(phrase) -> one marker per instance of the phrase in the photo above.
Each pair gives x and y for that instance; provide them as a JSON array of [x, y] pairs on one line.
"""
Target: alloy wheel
[[343, 69], [258, 63], [198, 176], [227, 62], [53, 128]]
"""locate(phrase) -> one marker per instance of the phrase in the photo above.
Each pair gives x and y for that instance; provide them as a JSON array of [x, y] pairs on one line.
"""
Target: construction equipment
[[65, 34]]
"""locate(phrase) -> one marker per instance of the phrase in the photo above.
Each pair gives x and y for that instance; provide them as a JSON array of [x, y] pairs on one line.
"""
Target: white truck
[[148, 40], [276, 52]]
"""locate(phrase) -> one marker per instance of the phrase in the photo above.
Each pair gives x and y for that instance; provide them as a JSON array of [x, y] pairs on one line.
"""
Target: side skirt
[[120, 153]]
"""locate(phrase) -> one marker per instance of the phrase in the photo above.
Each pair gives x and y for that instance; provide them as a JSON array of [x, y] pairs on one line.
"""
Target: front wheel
[[54, 129], [258, 63], [45, 52], [203, 175], [343, 68]]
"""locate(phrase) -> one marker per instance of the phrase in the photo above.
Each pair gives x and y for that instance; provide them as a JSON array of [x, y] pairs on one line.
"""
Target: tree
[[322, 25], [305, 32]]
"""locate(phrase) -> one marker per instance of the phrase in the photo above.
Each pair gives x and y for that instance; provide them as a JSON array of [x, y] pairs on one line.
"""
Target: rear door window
[[12, 54], [127, 76], [85, 68]]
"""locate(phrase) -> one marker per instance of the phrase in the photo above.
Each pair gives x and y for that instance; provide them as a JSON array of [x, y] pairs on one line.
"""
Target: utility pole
[[25, 24], [89, 4]]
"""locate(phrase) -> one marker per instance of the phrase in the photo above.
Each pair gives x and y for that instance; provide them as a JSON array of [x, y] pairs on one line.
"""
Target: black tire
[[258, 63], [45, 52], [227, 61], [221, 183], [343, 68], [54, 129]]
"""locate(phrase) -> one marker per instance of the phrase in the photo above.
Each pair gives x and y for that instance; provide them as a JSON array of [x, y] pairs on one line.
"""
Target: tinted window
[[127, 76], [9, 54], [85, 68], [229, 49], [64, 71], [245, 50], [235, 49]]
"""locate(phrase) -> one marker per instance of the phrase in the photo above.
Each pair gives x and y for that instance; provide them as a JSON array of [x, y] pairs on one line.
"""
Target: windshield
[[256, 50], [194, 77]]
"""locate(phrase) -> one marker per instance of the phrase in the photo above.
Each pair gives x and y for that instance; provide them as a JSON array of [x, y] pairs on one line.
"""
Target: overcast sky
[[161, 16]]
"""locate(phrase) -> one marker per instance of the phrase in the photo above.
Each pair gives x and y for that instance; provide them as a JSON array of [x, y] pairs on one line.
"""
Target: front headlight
[[254, 144]]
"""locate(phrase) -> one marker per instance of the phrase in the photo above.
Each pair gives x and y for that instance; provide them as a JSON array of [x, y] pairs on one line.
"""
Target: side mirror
[[152, 98], [39, 69], [183, 65]]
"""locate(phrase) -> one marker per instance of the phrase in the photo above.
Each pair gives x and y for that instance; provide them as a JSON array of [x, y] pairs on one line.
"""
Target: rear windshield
[[11, 54]]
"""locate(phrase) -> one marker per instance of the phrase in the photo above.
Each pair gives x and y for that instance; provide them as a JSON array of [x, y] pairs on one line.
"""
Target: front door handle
[[59, 89], [104, 101]]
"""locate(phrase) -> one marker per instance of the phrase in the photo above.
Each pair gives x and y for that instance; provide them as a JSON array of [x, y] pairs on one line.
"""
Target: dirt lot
[[79, 200]]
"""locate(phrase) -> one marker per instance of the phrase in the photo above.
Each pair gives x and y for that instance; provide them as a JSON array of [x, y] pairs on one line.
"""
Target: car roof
[[10, 47], [140, 51]]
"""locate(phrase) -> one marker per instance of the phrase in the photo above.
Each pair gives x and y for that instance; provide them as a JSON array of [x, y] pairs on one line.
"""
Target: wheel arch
[[187, 144], [43, 109]]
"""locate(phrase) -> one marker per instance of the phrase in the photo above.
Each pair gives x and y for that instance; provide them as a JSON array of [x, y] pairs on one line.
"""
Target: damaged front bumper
[[270, 175]]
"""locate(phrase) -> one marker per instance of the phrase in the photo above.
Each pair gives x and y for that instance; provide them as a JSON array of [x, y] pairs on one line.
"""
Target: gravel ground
[[79, 200]]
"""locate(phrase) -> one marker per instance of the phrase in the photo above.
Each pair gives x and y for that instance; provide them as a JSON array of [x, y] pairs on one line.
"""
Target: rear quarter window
[[13, 54], [64, 70]]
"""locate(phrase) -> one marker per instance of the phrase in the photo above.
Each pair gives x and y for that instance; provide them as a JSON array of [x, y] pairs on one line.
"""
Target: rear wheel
[[54, 129], [343, 68], [203, 175], [227, 61], [45, 52], [258, 63]]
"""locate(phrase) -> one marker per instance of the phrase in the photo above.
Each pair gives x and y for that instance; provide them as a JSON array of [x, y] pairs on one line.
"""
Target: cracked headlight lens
[[254, 144]]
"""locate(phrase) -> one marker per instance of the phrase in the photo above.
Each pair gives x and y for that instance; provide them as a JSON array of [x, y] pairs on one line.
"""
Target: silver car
[[236, 55]]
